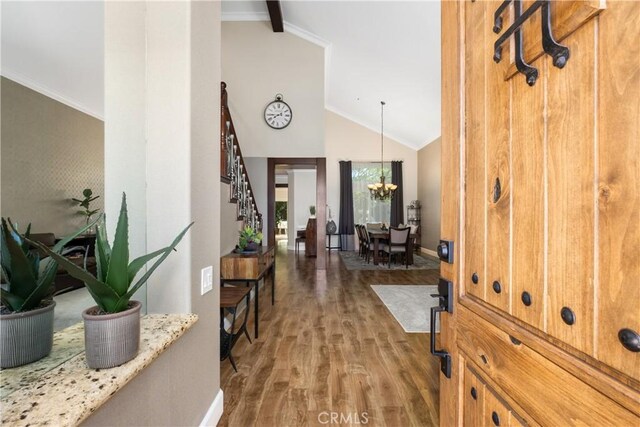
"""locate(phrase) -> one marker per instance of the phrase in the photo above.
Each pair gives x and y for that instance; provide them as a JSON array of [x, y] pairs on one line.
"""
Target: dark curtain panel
[[397, 203], [347, 227]]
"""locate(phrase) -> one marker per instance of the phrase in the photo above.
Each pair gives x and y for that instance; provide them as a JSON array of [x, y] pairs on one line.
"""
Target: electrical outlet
[[206, 279]]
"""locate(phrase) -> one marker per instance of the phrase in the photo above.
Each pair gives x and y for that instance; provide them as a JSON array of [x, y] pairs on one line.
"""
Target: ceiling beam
[[275, 13]]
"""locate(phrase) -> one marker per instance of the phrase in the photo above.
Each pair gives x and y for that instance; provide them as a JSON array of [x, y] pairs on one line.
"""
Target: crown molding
[[371, 128], [306, 35], [28, 83]]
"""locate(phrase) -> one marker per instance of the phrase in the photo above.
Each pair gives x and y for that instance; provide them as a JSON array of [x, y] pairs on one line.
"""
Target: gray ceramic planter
[[111, 339], [26, 337]]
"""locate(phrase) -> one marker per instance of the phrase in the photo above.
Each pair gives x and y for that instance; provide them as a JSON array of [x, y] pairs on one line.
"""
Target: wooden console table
[[250, 268]]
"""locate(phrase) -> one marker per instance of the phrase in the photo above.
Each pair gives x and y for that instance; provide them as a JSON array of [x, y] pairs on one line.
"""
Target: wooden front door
[[541, 197]]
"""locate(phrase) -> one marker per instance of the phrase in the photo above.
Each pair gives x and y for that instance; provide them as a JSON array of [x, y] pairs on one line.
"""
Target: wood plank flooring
[[330, 345]]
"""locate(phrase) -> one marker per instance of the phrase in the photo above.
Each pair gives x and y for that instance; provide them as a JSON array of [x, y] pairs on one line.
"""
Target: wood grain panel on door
[[452, 65], [473, 399], [498, 173], [528, 193], [545, 392], [570, 163], [496, 413], [619, 184], [475, 174]]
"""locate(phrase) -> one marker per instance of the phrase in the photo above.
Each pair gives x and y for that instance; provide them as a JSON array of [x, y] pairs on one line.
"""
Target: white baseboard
[[214, 413], [428, 252]]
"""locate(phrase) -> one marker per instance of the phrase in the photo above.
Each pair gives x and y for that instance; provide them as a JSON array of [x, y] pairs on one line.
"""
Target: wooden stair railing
[[233, 170]]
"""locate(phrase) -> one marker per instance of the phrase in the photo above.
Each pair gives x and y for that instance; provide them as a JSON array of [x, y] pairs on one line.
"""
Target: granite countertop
[[61, 391]]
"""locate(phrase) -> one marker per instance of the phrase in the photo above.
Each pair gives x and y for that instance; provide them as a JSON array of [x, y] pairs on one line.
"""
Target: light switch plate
[[206, 279]]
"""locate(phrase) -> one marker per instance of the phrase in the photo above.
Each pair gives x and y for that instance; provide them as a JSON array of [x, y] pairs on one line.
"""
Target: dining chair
[[361, 240], [398, 244]]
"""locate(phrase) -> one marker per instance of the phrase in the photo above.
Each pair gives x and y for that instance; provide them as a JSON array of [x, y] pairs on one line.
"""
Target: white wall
[[347, 140], [256, 65], [301, 195], [162, 87]]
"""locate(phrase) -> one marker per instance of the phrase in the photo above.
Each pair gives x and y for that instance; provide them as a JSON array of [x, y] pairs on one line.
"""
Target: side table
[[230, 297]]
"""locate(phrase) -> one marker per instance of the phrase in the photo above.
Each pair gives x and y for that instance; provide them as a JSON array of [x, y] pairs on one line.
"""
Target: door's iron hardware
[[474, 278], [484, 359], [559, 53], [497, 287], [514, 340], [474, 393], [526, 298], [568, 316], [445, 251], [518, 20], [497, 190], [497, 16], [629, 339], [495, 418], [445, 298], [531, 73]]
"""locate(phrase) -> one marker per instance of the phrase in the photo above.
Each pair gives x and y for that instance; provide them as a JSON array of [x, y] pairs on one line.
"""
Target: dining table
[[377, 235]]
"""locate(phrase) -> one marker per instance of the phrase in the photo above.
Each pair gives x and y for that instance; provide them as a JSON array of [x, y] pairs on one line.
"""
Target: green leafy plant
[[249, 235], [28, 279], [312, 210], [281, 212], [113, 286], [85, 203]]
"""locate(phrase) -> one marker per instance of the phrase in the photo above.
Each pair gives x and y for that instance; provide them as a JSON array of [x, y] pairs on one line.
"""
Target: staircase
[[233, 170]]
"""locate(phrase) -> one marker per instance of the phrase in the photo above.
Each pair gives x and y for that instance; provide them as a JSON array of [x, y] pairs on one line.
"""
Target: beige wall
[[50, 153], [256, 65], [429, 193], [154, 52], [347, 140], [229, 224]]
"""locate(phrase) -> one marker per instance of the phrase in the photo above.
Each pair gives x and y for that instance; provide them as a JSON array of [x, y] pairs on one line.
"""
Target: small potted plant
[[112, 327], [249, 240], [312, 211], [85, 202], [26, 313]]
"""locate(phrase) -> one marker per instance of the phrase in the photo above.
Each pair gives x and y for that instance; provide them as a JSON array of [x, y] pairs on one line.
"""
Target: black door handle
[[445, 298]]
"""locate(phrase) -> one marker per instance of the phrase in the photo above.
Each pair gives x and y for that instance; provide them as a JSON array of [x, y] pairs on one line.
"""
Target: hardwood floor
[[329, 345]]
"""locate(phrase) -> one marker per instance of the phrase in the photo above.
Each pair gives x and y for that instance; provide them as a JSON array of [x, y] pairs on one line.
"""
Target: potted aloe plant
[[112, 327], [26, 314]]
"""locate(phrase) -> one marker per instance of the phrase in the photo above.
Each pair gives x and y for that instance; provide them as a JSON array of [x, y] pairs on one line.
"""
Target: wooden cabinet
[[540, 195], [310, 240], [248, 265]]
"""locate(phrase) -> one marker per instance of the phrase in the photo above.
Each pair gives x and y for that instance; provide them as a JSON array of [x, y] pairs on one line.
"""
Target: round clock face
[[278, 114]]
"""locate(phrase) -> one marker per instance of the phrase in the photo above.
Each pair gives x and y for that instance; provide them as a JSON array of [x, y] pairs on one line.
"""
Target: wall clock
[[278, 114]]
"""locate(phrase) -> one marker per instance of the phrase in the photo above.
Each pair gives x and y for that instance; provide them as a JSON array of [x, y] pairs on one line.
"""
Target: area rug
[[410, 305], [353, 261]]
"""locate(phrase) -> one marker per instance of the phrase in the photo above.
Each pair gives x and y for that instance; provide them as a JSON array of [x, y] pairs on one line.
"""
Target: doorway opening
[[301, 204]]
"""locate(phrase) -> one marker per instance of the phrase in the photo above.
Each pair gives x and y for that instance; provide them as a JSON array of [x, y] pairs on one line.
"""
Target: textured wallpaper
[[49, 153]]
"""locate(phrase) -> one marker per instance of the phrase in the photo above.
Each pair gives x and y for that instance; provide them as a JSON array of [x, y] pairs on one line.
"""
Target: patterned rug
[[410, 305], [352, 261]]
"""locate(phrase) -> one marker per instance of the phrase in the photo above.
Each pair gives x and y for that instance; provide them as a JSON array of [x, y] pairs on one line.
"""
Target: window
[[364, 209]]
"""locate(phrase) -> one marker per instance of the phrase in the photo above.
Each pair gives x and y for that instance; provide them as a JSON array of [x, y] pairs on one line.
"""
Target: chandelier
[[381, 190]]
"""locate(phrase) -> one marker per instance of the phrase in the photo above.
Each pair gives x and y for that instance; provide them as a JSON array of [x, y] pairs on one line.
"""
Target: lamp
[[381, 190]]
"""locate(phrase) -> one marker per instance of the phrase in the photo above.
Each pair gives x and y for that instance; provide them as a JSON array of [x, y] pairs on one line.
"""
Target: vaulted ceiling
[[377, 50]]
